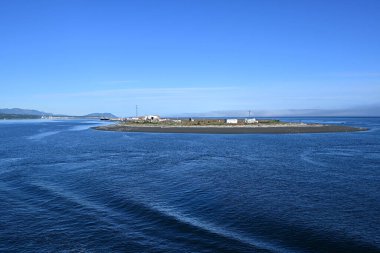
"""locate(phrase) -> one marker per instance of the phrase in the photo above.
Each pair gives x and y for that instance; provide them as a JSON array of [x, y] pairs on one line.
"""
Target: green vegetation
[[196, 122], [270, 121]]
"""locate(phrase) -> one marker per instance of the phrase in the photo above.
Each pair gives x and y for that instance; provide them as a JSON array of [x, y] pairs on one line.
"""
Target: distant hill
[[358, 111], [101, 115], [29, 113], [18, 111], [18, 116]]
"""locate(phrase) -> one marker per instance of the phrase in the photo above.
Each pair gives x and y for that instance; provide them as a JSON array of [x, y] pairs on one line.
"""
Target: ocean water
[[65, 187]]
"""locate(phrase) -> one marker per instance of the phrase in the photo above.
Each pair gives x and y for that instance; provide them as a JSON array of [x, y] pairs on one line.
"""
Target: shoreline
[[283, 129]]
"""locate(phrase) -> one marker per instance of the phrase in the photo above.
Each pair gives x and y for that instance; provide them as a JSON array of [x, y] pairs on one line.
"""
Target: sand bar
[[282, 129]]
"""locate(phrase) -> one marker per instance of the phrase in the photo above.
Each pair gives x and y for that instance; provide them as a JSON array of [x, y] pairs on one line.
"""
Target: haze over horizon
[[176, 57]]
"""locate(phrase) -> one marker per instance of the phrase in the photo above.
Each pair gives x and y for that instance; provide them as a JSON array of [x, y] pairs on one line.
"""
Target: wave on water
[[10, 160], [42, 135], [306, 156], [371, 130], [127, 136], [209, 228], [324, 122], [65, 188], [343, 153], [113, 210], [87, 125], [6, 164], [82, 127]]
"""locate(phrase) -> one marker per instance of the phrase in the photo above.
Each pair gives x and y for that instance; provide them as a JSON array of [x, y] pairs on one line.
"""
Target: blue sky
[[174, 57]]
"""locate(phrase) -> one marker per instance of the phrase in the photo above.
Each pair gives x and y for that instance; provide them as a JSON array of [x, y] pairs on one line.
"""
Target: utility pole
[[137, 111], [249, 113]]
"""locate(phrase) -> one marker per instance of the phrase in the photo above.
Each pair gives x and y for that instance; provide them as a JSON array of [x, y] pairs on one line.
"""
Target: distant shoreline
[[292, 129]]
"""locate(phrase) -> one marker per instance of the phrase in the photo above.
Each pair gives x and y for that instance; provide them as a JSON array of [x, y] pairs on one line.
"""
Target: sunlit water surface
[[65, 187]]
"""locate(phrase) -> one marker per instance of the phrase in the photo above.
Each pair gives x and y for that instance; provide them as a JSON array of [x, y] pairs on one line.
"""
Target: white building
[[152, 117], [231, 121], [251, 121]]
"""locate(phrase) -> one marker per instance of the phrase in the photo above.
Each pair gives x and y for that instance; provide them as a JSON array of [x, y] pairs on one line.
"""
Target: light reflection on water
[[66, 187]]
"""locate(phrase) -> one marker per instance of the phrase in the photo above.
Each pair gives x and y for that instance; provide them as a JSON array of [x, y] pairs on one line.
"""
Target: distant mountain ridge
[[101, 115], [35, 113], [358, 111], [19, 116], [19, 111]]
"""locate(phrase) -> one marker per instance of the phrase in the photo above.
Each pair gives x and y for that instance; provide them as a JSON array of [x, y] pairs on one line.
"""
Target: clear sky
[[180, 56]]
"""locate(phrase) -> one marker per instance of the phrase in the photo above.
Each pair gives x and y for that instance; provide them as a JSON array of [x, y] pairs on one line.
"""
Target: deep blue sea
[[65, 187]]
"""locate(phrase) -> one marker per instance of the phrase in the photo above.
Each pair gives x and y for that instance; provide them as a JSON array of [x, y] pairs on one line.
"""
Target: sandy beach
[[283, 129]]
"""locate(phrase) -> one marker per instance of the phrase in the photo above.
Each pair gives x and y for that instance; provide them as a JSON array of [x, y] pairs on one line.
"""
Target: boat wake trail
[[205, 233], [306, 156], [116, 212], [42, 135]]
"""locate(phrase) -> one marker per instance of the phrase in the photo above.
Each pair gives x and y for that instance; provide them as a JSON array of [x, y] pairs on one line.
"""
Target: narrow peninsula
[[155, 124]]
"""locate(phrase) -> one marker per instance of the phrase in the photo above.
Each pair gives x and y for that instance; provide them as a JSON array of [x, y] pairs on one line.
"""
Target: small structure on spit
[[151, 118], [231, 121], [251, 121]]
